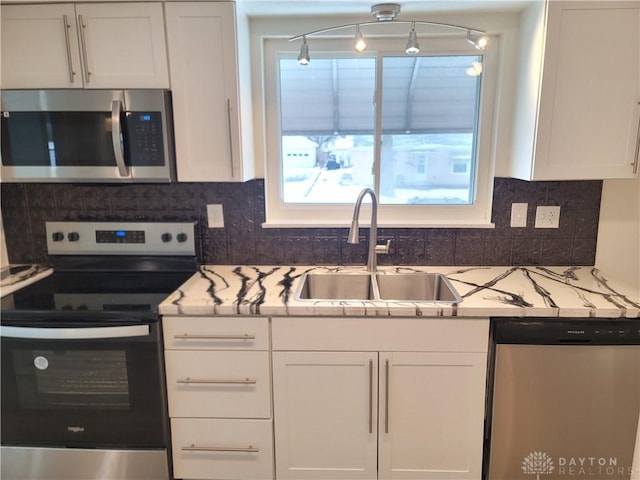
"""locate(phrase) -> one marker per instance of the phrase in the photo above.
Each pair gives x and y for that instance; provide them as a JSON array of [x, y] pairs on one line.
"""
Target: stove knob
[[57, 236], [182, 237], [165, 237], [73, 236]]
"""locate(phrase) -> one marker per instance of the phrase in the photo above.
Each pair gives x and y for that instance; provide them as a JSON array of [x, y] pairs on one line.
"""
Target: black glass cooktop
[[97, 294]]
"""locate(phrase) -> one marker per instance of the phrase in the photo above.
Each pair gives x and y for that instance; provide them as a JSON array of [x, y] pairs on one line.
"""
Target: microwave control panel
[[145, 140]]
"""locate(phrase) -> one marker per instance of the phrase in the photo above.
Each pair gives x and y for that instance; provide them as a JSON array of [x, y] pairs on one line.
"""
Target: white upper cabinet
[[210, 83], [578, 104], [40, 47], [102, 45]]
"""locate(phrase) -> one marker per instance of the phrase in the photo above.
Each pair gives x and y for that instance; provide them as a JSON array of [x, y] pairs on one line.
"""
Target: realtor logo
[[537, 463]]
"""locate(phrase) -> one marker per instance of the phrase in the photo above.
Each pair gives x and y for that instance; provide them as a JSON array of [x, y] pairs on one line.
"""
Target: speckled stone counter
[[485, 291], [15, 277]]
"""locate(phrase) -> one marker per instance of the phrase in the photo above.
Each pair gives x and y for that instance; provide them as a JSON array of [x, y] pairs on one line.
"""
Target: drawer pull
[[195, 448], [246, 381], [186, 336]]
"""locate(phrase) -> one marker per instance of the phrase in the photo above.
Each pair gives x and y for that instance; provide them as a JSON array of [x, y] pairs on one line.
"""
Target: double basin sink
[[379, 286]]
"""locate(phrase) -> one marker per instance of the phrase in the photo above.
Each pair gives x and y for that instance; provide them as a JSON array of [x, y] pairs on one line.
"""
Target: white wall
[[618, 251]]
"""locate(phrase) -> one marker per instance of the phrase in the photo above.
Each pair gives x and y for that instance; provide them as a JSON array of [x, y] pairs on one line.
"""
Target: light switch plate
[[519, 214], [215, 216], [547, 217]]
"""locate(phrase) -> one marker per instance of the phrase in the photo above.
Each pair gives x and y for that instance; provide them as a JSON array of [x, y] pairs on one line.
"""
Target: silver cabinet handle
[[370, 396], [83, 43], [72, 74], [116, 138], [186, 336], [195, 448], [386, 396], [635, 160], [230, 135], [246, 381]]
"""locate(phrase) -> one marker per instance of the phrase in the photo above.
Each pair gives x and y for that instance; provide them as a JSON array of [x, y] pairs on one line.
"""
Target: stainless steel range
[[83, 393]]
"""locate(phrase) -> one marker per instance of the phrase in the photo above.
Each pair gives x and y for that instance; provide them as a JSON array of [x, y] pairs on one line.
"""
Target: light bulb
[[303, 58], [360, 45], [412, 44], [479, 41]]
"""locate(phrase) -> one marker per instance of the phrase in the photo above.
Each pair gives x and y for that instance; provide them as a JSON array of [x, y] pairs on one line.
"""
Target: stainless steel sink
[[414, 287], [336, 286], [417, 287]]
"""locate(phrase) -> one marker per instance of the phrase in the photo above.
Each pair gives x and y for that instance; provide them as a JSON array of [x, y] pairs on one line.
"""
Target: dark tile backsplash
[[25, 208]]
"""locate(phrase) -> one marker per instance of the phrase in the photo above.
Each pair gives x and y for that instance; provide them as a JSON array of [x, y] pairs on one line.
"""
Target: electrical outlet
[[215, 216], [547, 217], [519, 214]]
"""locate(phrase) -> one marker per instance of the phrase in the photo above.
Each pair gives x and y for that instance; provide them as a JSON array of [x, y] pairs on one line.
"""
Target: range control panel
[[120, 238]]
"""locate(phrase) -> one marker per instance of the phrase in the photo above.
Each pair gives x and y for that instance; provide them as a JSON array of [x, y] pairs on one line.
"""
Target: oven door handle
[[75, 333]]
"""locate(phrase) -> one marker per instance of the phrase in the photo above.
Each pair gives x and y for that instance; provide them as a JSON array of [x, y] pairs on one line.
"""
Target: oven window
[[72, 378]]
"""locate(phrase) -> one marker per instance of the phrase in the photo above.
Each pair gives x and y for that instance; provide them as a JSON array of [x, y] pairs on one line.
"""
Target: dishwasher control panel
[[553, 331]]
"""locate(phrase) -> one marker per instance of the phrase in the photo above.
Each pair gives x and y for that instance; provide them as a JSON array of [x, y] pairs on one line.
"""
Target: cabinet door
[[325, 406], [589, 107], [201, 42], [40, 47], [431, 415], [123, 45]]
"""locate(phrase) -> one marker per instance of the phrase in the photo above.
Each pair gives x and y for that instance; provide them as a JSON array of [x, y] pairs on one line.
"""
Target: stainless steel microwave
[[106, 136]]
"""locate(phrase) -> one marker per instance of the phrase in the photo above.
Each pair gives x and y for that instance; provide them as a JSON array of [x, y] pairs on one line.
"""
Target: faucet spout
[[372, 259]]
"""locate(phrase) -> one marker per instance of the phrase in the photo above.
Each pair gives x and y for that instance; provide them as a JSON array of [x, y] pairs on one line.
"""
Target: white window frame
[[476, 215]]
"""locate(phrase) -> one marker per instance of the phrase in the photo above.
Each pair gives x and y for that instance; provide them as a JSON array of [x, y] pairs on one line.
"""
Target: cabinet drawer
[[218, 384], [412, 334], [222, 449], [207, 333]]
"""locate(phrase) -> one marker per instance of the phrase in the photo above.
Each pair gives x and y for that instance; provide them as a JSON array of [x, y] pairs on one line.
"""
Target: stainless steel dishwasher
[[566, 399]]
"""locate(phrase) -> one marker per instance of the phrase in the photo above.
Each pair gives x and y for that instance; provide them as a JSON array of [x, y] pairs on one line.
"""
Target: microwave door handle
[[116, 135], [74, 333]]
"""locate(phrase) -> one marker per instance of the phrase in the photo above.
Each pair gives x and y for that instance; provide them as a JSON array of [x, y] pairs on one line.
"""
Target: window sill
[[347, 223]]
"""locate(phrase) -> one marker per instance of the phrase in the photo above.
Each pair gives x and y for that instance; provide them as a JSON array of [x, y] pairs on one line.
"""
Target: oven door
[[99, 386]]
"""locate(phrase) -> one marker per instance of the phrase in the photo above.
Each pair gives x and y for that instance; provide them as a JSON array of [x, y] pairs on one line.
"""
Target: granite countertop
[[485, 291], [15, 277]]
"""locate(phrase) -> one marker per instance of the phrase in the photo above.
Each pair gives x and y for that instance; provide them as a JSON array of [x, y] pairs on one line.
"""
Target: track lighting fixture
[[478, 40], [303, 58], [412, 44], [387, 13], [360, 45]]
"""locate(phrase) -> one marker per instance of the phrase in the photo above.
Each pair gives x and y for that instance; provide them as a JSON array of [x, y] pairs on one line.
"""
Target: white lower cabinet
[[380, 414], [205, 448], [432, 415], [218, 374], [218, 384], [325, 411]]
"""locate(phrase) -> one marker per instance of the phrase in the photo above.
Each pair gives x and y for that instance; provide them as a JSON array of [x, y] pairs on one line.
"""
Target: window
[[416, 129]]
